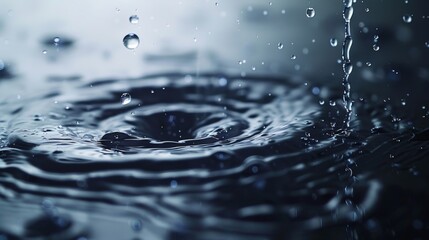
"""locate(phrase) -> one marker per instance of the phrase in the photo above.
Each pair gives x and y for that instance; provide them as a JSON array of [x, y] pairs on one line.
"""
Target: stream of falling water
[[347, 65]]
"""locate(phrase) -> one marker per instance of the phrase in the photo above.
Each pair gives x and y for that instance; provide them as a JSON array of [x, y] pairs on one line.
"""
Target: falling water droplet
[[427, 44], [375, 47], [125, 98], [407, 18], [131, 41], [280, 45], [56, 40], [293, 57], [366, 9], [134, 19], [310, 12], [333, 42], [44, 52]]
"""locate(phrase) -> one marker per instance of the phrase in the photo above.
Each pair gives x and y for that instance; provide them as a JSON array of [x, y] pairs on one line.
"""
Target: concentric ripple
[[188, 156]]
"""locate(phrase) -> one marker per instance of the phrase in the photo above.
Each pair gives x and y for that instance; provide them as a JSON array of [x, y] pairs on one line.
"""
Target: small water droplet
[[265, 12], [280, 45], [125, 98], [56, 40], [293, 57], [375, 47], [134, 19], [321, 102], [173, 184], [333, 42], [366, 9], [310, 12], [44, 52], [332, 103], [216, 3], [131, 41], [427, 44], [407, 18], [137, 225], [368, 64]]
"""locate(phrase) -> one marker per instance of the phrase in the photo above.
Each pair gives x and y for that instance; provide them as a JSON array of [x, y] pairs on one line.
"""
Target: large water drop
[[131, 41]]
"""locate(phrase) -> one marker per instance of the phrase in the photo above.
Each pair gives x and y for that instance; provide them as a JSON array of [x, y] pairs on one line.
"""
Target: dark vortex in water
[[194, 157]]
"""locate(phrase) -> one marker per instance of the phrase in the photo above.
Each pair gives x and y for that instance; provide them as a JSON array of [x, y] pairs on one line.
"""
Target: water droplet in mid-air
[[310, 12], [134, 19], [131, 41], [333, 42], [427, 44], [44, 52], [375, 47], [280, 46], [293, 57], [125, 98], [407, 18], [56, 40]]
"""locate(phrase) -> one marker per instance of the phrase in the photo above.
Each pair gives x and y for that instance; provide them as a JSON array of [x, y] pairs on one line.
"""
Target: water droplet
[[366, 9], [333, 42], [283, 11], [375, 47], [1, 65], [216, 3], [137, 225], [222, 82], [56, 40], [265, 13], [368, 64], [321, 102], [131, 41], [332, 103], [280, 45], [125, 98], [293, 57], [44, 52], [134, 19], [310, 12], [173, 184], [427, 44], [407, 18]]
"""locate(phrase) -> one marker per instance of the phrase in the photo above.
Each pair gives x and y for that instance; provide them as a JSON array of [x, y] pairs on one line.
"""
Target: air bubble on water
[[134, 19], [131, 41], [407, 18], [293, 57], [333, 42], [125, 98], [280, 45], [375, 47], [310, 12]]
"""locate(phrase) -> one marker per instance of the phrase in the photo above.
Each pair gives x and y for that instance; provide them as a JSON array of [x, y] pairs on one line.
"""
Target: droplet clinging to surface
[[131, 41]]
